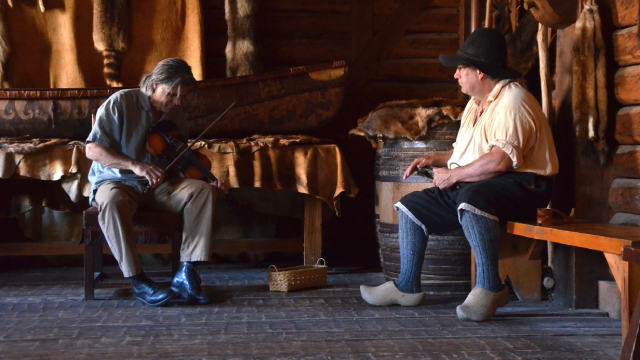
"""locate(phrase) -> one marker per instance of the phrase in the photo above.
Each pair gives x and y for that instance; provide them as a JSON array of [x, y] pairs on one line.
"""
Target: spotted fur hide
[[24, 145], [409, 119], [241, 51], [110, 31]]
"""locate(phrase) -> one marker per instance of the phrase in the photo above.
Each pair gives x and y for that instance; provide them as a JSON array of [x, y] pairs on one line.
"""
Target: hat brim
[[491, 70]]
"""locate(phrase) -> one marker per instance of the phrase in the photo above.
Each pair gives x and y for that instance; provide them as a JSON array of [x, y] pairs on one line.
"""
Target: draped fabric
[[318, 170], [54, 49]]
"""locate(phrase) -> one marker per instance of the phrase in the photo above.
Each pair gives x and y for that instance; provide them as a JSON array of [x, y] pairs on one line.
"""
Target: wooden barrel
[[447, 260]]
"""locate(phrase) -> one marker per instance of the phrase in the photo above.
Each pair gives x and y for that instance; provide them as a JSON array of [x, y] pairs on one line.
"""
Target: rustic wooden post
[[312, 229]]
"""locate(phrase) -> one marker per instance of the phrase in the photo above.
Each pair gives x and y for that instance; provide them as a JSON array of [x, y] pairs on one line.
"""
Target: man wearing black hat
[[497, 171]]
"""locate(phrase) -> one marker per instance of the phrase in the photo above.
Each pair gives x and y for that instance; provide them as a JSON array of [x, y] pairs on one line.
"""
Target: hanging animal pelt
[[241, 51], [4, 44], [410, 119], [110, 32], [589, 82]]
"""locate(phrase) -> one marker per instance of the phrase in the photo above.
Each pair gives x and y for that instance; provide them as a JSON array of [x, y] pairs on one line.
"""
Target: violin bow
[[199, 137]]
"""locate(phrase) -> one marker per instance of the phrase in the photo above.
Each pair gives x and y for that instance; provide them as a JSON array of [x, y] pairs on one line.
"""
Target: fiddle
[[165, 140], [167, 144]]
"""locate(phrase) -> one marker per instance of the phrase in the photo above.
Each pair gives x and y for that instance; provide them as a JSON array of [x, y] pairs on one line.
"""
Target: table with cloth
[[299, 164]]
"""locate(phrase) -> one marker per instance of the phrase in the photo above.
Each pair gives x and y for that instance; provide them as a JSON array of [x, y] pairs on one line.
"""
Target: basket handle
[[273, 267], [324, 263]]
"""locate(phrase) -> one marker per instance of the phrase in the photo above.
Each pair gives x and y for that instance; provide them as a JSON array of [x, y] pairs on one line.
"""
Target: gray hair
[[169, 72]]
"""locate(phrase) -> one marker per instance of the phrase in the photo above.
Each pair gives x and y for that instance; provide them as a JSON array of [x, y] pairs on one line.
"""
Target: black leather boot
[[150, 292], [186, 283]]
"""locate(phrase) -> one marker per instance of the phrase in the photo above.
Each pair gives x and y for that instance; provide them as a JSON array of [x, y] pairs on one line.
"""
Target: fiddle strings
[[199, 137]]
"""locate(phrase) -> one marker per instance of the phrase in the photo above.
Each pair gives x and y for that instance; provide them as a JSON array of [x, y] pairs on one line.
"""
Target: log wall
[[584, 182], [302, 32], [625, 190]]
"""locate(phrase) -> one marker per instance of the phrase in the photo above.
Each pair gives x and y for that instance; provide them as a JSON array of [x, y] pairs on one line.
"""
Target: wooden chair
[[156, 232]]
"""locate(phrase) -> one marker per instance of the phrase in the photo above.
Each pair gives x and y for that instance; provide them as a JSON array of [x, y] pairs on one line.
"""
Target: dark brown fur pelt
[[4, 44], [410, 119], [23, 145], [110, 32], [589, 83], [601, 83], [241, 50]]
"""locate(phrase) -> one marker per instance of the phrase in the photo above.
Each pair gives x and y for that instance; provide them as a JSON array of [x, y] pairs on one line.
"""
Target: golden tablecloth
[[318, 170]]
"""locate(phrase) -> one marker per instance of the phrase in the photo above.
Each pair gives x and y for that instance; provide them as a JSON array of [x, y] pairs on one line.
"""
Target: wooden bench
[[521, 247]]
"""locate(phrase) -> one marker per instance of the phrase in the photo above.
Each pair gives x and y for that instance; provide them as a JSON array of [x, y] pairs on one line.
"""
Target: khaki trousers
[[117, 203]]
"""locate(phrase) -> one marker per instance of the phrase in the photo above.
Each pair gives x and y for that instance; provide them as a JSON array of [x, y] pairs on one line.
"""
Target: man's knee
[[114, 198]]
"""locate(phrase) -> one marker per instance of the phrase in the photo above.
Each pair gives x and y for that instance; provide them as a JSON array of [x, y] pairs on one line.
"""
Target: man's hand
[[417, 163], [220, 187], [152, 173], [443, 178], [438, 159]]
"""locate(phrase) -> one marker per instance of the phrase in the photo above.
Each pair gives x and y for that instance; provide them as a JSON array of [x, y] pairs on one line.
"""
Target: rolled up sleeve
[[509, 133]]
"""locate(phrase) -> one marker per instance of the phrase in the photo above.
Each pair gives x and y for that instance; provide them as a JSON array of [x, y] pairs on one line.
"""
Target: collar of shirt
[[493, 95], [144, 101]]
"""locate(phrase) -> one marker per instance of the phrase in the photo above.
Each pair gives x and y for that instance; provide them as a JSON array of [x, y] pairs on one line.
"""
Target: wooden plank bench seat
[[521, 246]]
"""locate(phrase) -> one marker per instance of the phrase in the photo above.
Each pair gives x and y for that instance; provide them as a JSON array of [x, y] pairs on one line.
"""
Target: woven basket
[[297, 277]]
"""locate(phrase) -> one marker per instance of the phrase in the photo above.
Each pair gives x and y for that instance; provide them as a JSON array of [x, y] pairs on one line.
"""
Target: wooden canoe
[[284, 102]]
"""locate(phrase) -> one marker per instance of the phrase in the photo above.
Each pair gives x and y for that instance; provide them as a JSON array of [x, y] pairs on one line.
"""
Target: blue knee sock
[[413, 243], [482, 234]]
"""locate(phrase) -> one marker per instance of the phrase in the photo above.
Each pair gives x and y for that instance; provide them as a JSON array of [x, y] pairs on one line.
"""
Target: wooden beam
[[383, 42], [624, 195], [40, 249], [625, 164], [475, 15], [600, 237], [630, 337], [625, 46], [627, 85], [628, 125], [258, 245], [625, 12], [312, 229]]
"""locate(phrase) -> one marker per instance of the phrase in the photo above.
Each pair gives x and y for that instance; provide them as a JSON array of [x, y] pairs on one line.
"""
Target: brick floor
[[43, 316]]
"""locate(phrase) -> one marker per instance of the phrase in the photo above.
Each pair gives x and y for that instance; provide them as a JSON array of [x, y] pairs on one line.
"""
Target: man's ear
[[481, 75]]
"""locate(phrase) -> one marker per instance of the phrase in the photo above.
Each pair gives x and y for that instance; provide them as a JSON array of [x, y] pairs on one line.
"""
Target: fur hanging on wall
[[589, 82], [110, 32], [4, 44], [40, 4], [410, 119], [241, 51]]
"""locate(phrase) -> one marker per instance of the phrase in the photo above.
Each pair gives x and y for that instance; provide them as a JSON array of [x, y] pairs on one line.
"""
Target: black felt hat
[[485, 49]]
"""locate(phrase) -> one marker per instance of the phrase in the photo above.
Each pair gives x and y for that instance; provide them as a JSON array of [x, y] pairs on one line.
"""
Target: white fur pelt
[[410, 119], [589, 82], [110, 31], [241, 51], [4, 44]]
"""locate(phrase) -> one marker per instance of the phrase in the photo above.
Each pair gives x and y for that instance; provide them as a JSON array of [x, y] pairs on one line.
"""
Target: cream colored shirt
[[512, 121]]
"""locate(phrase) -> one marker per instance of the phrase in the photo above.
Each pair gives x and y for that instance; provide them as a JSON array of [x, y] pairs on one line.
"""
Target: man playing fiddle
[[123, 168]]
